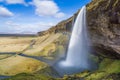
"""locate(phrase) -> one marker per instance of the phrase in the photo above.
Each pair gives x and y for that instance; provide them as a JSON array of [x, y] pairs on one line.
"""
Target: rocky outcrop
[[104, 26], [103, 17], [63, 26]]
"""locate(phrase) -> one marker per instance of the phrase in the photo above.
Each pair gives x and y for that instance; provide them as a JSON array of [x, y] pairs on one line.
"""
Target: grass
[[9, 44], [18, 64], [106, 68], [4, 56], [109, 69], [24, 76], [48, 50], [50, 46], [44, 74], [110, 66], [40, 45], [12, 65]]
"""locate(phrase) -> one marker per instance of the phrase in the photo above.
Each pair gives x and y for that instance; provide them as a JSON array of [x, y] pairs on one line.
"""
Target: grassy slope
[[18, 44], [41, 43], [44, 74], [107, 68], [17, 64], [14, 64], [14, 44]]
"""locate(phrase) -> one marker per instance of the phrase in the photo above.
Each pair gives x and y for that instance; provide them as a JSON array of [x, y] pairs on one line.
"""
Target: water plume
[[77, 58]]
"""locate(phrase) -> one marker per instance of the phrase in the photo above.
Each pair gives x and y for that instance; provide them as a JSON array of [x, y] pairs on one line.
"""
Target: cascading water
[[78, 49], [77, 58]]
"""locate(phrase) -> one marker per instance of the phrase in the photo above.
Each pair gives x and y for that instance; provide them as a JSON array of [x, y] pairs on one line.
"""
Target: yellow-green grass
[[23, 44], [47, 50], [18, 64], [106, 67], [110, 66], [24, 76], [10, 44], [44, 46], [41, 44], [4, 56]]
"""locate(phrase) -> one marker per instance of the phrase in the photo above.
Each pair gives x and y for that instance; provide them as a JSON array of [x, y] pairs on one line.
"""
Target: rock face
[[103, 25]]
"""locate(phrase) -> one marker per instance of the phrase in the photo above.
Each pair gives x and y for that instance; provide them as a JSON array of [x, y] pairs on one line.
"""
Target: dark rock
[[104, 26]]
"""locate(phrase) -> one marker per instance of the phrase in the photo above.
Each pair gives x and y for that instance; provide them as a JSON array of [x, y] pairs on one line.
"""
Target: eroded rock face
[[103, 25]]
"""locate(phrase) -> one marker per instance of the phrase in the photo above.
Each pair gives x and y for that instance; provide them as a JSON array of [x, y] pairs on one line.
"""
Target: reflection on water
[[3, 77]]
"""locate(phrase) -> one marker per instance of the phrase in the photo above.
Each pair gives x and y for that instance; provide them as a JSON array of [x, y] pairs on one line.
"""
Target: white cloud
[[4, 12], [28, 28], [59, 15], [47, 8], [15, 2]]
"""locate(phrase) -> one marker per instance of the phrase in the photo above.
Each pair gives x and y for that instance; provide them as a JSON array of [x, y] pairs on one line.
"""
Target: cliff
[[103, 17], [104, 25]]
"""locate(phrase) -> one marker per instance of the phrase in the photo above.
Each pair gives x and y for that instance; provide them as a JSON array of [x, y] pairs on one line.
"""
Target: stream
[[40, 58], [3, 77]]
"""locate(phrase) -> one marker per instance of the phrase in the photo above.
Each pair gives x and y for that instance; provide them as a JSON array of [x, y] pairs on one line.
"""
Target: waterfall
[[77, 54], [77, 58]]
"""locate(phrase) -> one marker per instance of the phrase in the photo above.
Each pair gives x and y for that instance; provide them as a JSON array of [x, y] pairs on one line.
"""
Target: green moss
[[95, 76], [109, 69], [106, 67], [83, 74], [45, 74], [110, 66]]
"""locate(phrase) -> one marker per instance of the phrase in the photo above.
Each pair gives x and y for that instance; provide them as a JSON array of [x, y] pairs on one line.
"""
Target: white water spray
[[78, 50]]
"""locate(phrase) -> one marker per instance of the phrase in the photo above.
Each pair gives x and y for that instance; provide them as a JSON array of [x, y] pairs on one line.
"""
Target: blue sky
[[32, 16]]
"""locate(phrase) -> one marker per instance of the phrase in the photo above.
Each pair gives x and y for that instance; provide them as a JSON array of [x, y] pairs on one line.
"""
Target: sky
[[32, 16]]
